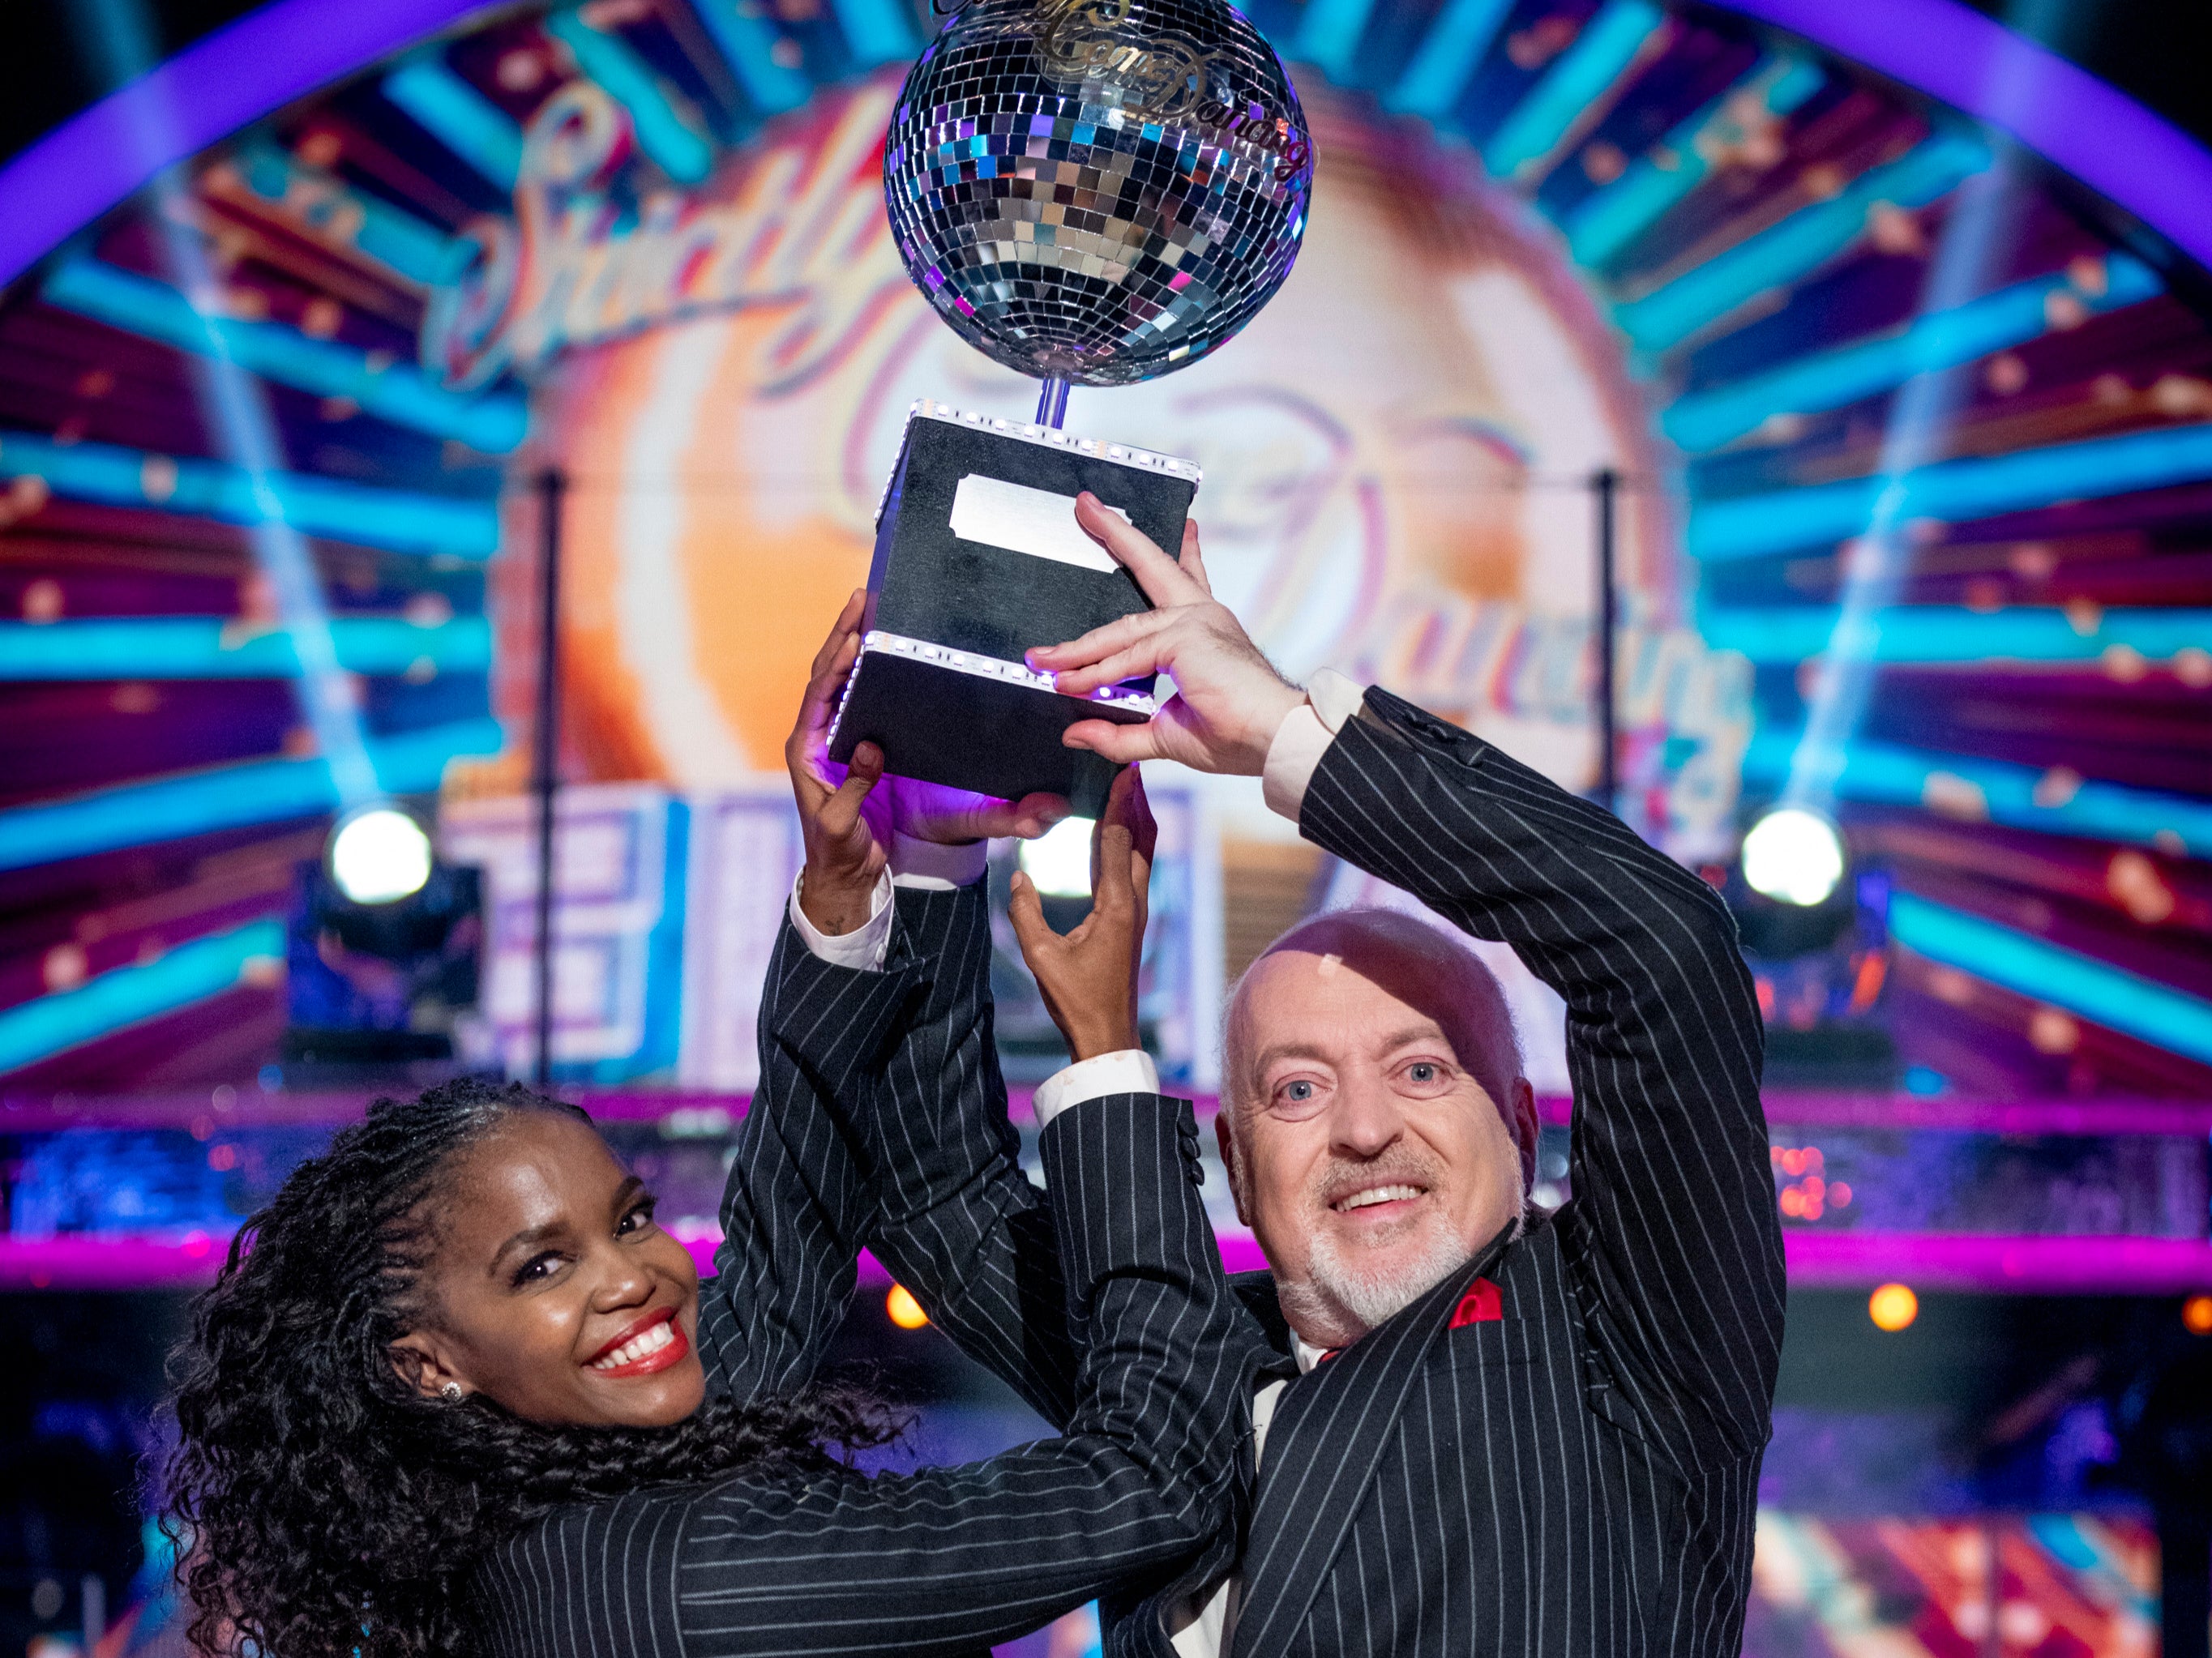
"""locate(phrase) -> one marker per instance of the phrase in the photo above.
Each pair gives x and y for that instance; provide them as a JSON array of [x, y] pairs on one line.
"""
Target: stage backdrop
[[1397, 452]]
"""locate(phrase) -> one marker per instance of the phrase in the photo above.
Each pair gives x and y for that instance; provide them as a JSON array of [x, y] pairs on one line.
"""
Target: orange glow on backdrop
[[1396, 455]]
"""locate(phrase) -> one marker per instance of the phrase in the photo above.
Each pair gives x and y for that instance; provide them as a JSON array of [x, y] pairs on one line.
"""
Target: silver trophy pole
[[1051, 402]]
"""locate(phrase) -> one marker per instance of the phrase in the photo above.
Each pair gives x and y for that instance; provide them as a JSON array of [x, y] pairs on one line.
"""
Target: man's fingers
[[1117, 634], [1123, 745], [1193, 562], [1026, 910], [1144, 827], [1160, 577], [1145, 656], [843, 809], [1112, 890]]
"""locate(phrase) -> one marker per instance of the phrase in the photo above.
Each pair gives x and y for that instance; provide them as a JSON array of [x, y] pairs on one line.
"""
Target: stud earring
[[451, 1393]]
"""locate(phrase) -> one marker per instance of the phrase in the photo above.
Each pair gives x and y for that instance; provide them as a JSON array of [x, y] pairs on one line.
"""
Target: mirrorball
[[1098, 189]]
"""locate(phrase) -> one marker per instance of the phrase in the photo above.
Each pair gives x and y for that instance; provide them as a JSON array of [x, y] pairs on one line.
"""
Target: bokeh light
[[1793, 856], [1893, 1307], [904, 1310], [1058, 861], [2197, 1316], [380, 855]]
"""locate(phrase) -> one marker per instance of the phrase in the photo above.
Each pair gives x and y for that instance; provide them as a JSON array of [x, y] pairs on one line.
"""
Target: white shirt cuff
[[928, 866], [865, 946], [933, 866], [1129, 1071], [1303, 737]]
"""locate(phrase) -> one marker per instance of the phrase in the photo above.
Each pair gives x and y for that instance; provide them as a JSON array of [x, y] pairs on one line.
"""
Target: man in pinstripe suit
[[1490, 1429]]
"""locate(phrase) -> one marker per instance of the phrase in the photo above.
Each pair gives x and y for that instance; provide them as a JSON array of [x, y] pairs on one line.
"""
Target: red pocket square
[[1480, 1305]]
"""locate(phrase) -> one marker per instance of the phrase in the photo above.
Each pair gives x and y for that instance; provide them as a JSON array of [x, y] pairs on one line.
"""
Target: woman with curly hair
[[455, 1391]]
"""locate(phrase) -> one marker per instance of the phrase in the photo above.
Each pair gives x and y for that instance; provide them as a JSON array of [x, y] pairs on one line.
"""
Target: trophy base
[[969, 721]]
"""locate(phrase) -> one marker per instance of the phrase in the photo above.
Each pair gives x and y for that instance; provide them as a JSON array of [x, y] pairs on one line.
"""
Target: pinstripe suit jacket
[[1578, 1474], [1147, 1474]]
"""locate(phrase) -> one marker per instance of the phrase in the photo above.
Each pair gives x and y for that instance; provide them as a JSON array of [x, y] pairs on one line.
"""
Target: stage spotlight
[[1059, 861], [379, 855], [1793, 856]]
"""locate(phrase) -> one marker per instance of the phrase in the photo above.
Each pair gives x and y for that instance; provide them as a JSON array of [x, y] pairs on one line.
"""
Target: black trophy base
[[970, 731]]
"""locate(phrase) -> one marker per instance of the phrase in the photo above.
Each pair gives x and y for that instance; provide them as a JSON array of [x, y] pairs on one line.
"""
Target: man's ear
[[1225, 1138], [1527, 1129], [422, 1363]]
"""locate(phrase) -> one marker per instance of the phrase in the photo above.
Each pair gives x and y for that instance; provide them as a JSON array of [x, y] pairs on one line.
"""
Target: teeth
[[632, 1351], [1375, 1195]]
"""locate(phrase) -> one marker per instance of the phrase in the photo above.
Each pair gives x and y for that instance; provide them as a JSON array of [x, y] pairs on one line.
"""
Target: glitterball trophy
[[1092, 192]]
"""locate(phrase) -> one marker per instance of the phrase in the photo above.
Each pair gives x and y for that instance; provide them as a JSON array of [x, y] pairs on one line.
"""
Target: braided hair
[[319, 1505]]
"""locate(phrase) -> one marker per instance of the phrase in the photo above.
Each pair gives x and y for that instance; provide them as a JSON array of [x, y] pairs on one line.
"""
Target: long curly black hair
[[320, 1507]]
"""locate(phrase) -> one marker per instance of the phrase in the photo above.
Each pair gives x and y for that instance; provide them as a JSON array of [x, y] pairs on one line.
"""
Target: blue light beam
[[191, 973], [1935, 634], [668, 136], [1973, 790], [458, 117], [1437, 74], [1951, 492], [239, 796], [1783, 253], [1828, 379], [1920, 418], [331, 210], [1608, 222], [747, 41], [2044, 972], [382, 387], [394, 519], [1574, 89], [218, 647], [234, 407]]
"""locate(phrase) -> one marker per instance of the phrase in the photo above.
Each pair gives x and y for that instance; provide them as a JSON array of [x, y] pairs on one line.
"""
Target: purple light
[[1818, 1260], [1955, 55], [2038, 1265], [265, 60]]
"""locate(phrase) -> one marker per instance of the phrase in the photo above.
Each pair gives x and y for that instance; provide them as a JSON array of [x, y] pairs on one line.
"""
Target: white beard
[[1370, 1292]]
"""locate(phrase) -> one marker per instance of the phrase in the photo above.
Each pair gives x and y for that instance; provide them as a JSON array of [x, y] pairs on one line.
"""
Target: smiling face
[[550, 1289], [1366, 1150]]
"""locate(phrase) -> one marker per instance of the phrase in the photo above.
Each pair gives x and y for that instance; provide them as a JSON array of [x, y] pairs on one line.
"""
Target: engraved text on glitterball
[[1154, 73]]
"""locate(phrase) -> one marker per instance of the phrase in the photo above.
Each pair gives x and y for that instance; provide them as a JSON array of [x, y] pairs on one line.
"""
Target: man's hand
[[1089, 978], [1229, 699]]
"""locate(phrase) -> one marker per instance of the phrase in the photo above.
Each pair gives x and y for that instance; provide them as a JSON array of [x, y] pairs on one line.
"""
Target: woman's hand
[[847, 823], [1089, 978], [848, 836]]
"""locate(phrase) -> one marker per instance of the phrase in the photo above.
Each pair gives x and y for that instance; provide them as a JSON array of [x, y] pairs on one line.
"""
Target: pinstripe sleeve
[[1672, 1234], [799, 1200], [945, 1561], [959, 1224], [962, 1227]]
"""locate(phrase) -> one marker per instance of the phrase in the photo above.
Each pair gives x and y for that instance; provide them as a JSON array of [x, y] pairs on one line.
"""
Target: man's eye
[[1298, 1093], [636, 1221], [1422, 1071]]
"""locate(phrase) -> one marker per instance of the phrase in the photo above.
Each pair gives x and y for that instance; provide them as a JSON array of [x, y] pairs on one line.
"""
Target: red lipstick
[[654, 1342]]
